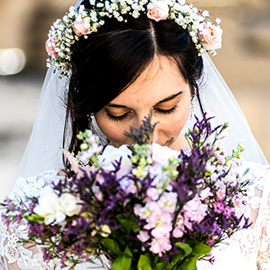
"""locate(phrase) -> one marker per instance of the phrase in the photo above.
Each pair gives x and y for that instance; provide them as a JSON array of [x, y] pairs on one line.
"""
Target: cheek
[[172, 125]]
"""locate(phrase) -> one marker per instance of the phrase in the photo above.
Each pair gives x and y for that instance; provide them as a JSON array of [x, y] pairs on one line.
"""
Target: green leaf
[[128, 252], [144, 263], [123, 262], [200, 249], [185, 247], [177, 257], [35, 218], [160, 266], [188, 264], [128, 223], [112, 245]]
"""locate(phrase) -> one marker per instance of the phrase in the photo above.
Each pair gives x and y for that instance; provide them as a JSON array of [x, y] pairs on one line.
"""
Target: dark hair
[[110, 60]]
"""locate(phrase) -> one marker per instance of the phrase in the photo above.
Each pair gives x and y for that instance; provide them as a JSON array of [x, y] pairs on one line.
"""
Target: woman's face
[[160, 89]]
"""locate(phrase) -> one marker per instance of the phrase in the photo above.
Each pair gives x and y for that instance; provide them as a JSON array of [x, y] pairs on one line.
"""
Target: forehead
[[162, 78]]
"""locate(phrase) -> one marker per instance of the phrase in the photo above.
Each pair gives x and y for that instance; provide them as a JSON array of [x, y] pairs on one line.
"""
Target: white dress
[[248, 249]]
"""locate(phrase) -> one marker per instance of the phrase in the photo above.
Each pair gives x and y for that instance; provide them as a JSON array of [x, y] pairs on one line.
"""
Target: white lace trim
[[11, 252]]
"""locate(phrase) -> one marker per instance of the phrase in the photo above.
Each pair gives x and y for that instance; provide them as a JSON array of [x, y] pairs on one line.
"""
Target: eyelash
[[167, 111], [116, 118], [122, 117]]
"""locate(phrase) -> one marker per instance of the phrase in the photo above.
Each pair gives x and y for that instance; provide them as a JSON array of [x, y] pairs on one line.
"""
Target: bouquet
[[142, 206]]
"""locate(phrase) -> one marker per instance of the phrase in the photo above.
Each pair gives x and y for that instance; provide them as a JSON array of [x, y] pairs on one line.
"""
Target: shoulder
[[32, 185]]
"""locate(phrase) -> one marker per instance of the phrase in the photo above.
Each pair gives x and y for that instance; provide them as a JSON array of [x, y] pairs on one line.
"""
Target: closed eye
[[166, 111], [116, 118]]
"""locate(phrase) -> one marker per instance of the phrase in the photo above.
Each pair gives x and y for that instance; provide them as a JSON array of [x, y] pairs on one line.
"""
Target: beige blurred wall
[[244, 60]]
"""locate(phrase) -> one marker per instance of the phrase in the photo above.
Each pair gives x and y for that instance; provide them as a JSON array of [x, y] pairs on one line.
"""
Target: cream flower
[[70, 204], [111, 155], [49, 207]]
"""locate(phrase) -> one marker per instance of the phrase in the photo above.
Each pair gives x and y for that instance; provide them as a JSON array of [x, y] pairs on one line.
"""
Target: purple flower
[[218, 207]]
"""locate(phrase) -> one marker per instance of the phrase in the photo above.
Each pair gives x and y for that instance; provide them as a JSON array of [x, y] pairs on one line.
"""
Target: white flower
[[111, 155], [205, 13], [162, 154], [49, 207], [218, 20], [182, 2], [69, 204]]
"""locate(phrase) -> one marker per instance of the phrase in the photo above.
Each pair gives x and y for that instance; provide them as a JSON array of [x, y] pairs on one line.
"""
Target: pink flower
[[195, 210], [159, 11], [210, 36], [227, 211], [218, 207], [143, 236], [79, 28], [211, 241], [205, 193], [50, 49], [178, 232], [159, 245], [153, 193]]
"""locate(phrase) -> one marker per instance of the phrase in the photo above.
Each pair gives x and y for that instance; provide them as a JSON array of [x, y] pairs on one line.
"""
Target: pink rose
[[211, 37], [79, 28], [50, 48], [160, 11]]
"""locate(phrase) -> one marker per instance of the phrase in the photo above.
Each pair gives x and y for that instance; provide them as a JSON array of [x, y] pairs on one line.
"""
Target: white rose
[[112, 155], [69, 204], [49, 206], [162, 154]]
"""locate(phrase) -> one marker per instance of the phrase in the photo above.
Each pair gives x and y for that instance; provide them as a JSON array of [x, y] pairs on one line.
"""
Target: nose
[[154, 138]]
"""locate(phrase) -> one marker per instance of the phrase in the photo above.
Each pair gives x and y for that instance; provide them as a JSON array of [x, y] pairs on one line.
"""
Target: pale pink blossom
[[195, 210], [153, 193], [159, 11], [178, 232], [210, 36], [85, 155], [163, 229], [79, 28], [74, 162], [168, 201], [143, 236], [160, 245], [205, 193], [50, 49], [128, 186], [97, 192]]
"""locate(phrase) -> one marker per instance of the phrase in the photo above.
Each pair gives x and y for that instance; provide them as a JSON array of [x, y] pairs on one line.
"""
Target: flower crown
[[82, 22]]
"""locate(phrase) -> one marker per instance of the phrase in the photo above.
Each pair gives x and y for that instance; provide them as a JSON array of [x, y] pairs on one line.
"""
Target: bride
[[114, 63]]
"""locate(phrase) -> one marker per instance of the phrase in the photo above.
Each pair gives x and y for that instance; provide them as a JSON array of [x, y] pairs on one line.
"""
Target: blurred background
[[244, 63]]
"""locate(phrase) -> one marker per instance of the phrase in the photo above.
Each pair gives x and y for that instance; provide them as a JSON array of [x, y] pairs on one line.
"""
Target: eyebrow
[[113, 105]]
